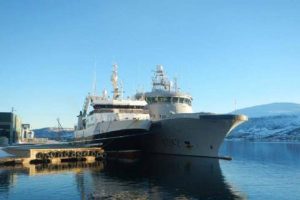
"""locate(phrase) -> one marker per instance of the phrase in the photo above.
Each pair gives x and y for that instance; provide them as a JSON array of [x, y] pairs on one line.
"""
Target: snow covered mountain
[[272, 109], [276, 121], [53, 133]]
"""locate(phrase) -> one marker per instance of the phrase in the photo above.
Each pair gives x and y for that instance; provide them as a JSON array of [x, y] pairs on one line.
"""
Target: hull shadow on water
[[163, 177], [152, 177]]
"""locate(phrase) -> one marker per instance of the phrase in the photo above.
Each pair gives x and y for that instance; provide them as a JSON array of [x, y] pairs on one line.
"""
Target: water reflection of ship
[[157, 177], [160, 177]]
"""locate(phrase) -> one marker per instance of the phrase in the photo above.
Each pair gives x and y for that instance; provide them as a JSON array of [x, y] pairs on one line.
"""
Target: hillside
[[54, 133], [273, 109], [276, 121], [269, 128]]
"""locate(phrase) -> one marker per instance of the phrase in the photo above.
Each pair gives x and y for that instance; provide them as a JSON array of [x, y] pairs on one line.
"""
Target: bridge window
[[187, 101], [150, 100], [158, 99], [164, 99], [175, 99], [181, 100]]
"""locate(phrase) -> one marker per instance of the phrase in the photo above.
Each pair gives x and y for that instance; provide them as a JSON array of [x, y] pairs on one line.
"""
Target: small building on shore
[[27, 133], [10, 128]]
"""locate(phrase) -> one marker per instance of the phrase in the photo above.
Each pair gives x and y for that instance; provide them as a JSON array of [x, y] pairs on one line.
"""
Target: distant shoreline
[[263, 140]]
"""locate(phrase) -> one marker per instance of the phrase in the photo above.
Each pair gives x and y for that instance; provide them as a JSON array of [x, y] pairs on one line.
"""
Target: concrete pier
[[30, 155]]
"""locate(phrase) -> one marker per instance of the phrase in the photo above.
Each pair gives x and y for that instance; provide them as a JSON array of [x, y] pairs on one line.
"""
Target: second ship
[[114, 123]]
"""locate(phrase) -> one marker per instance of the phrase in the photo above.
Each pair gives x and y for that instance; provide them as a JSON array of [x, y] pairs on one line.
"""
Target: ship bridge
[[168, 97], [165, 98]]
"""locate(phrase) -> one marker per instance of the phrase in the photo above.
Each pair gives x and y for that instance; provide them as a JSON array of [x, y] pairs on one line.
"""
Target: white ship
[[176, 129], [116, 123]]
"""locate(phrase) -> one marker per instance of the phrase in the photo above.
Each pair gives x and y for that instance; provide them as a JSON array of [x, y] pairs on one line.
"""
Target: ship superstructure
[[166, 99], [115, 122], [176, 129]]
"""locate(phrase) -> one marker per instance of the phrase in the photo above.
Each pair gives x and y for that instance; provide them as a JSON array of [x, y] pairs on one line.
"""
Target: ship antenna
[[94, 88], [114, 81], [160, 81], [121, 89], [175, 84]]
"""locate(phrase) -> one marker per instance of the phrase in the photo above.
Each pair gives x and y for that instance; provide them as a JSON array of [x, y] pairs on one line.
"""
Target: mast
[[160, 81], [114, 81], [94, 87], [175, 84], [86, 105]]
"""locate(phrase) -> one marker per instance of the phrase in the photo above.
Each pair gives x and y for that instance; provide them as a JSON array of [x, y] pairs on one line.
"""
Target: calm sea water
[[257, 171]]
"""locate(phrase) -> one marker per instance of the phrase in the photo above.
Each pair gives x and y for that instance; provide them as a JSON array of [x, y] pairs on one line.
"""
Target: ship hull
[[191, 134], [115, 135]]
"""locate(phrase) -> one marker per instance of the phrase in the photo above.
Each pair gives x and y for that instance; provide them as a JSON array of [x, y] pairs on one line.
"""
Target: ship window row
[[120, 111], [109, 106], [151, 100]]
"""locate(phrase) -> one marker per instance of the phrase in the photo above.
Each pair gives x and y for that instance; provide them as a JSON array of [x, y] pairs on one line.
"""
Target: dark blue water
[[257, 171]]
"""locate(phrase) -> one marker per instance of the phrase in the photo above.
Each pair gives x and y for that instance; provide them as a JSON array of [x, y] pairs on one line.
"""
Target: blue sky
[[220, 50]]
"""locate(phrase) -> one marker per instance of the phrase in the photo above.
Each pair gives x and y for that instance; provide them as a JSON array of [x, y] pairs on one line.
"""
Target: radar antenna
[[160, 81]]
